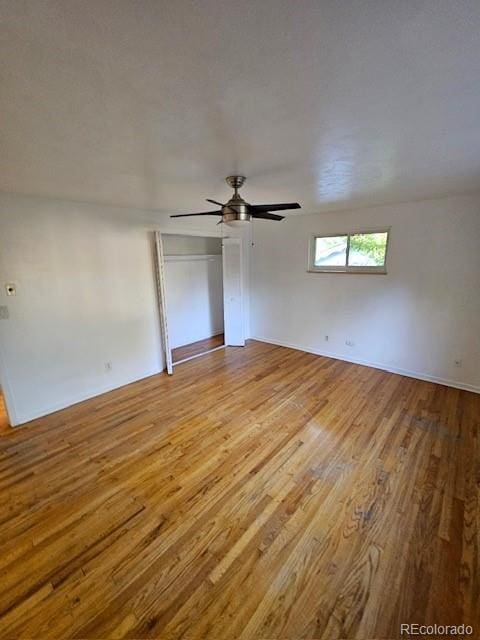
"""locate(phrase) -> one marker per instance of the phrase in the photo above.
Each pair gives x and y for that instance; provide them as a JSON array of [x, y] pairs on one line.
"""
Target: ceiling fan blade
[[266, 216], [275, 207], [203, 213], [215, 202]]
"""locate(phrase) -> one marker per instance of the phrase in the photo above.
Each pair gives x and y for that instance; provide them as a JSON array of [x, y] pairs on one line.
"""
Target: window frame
[[381, 270]]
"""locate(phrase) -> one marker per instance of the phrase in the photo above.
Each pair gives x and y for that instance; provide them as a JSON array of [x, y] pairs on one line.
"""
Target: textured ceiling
[[151, 104]]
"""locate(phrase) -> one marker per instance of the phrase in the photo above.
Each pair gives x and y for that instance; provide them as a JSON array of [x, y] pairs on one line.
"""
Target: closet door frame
[[161, 287], [162, 301]]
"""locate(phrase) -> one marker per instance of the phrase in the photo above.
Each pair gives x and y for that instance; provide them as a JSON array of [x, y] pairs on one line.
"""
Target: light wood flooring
[[258, 493], [196, 348]]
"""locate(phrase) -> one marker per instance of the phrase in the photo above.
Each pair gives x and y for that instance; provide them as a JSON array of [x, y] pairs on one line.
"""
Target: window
[[363, 252]]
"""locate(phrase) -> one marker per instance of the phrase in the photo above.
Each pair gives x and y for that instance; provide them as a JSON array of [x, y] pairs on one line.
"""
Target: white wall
[[194, 292], [85, 296], [417, 320]]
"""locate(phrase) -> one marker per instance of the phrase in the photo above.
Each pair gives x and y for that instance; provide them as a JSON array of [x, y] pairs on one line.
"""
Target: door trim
[[162, 301], [226, 242]]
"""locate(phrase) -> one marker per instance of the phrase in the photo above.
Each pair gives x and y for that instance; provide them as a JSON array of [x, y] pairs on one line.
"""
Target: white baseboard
[[23, 418], [375, 365]]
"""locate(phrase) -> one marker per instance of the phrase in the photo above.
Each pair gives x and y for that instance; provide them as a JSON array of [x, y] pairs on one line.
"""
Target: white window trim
[[311, 268]]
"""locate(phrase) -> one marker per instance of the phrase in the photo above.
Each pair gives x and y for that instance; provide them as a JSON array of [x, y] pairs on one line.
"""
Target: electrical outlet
[[349, 343], [108, 366], [458, 363]]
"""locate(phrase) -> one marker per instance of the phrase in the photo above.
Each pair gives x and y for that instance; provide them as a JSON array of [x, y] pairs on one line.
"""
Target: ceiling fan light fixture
[[235, 213], [238, 223]]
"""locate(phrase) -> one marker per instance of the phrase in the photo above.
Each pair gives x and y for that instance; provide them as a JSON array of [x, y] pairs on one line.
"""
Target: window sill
[[355, 272]]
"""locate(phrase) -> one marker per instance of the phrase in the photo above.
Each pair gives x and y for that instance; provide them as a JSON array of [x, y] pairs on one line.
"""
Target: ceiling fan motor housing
[[236, 208]]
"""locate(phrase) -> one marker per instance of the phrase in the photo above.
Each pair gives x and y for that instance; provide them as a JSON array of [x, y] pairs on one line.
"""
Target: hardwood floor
[[196, 348], [258, 493]]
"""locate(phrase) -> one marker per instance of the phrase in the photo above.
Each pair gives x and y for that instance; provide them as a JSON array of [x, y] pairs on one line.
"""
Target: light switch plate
[[4, 314]]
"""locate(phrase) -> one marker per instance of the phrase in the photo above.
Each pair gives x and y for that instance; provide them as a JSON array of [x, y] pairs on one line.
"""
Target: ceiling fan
[[237, 212]]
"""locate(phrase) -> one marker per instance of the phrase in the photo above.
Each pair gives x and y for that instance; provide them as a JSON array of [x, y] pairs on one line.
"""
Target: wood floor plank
[[196, 348], [260, 492]]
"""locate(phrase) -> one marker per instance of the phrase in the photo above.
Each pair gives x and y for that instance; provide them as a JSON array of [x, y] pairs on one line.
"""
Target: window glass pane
[[330, 251], [367, 249]]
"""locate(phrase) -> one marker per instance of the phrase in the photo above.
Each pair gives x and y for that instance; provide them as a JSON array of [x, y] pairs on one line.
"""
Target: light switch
[[4, 314], [11, 289]]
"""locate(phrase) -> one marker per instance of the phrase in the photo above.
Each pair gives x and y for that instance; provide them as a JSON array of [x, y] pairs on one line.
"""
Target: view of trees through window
[[367, 249], [356, 250]]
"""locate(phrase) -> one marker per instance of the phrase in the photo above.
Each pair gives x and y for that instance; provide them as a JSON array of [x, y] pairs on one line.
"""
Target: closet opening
[[194, 294]]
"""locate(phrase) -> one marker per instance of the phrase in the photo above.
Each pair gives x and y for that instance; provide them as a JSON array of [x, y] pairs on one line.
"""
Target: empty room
[[239, 319]]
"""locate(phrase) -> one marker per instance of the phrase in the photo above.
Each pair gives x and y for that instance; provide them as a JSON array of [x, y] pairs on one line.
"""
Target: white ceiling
[[151, 104]]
